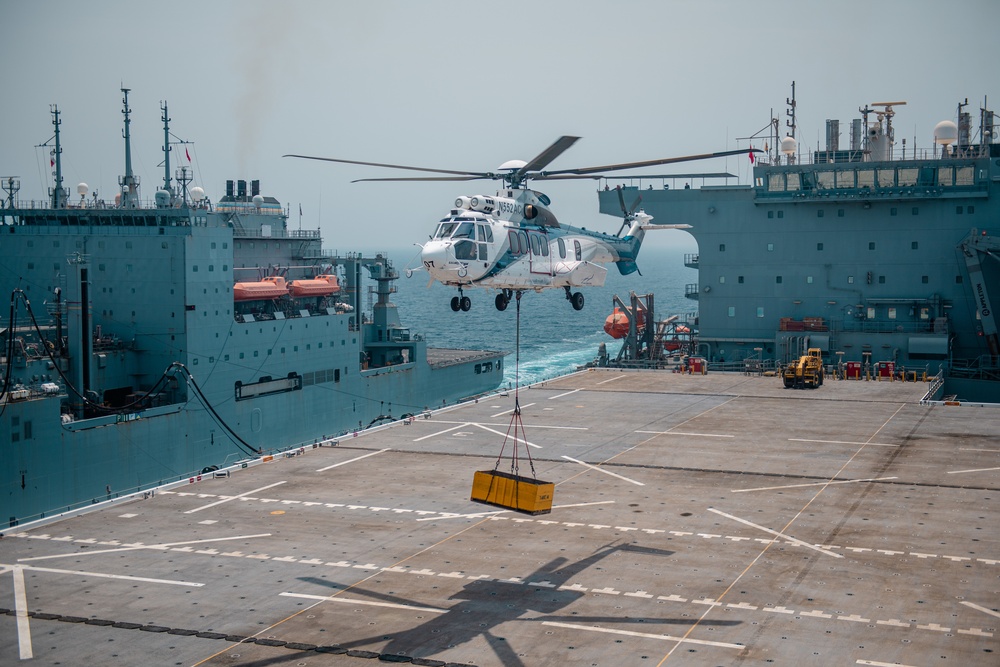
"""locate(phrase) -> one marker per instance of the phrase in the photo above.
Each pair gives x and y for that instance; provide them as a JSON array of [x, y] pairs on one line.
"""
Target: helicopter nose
[[434, 255]]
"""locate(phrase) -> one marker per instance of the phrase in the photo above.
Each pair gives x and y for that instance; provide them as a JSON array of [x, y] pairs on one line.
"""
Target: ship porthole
[[255, 420]]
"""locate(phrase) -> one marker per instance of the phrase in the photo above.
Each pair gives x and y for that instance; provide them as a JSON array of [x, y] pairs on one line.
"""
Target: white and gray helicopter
[[511, 242]]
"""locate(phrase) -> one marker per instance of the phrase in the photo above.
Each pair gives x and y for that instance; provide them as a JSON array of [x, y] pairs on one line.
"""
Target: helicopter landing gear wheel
[[465, 303], [502, 301], [576, 298], [456, 304]]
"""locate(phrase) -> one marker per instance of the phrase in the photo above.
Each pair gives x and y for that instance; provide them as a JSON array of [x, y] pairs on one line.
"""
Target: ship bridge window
[[794, 181], [928, 176], [906, 177], [845, 178], [866, 178], [946, 176], [825, 180], [776, 182], [886, 177], [964, 176]]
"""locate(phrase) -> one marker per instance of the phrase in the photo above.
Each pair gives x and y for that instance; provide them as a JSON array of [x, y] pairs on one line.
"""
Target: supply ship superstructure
[[885, 256], [149, 342]]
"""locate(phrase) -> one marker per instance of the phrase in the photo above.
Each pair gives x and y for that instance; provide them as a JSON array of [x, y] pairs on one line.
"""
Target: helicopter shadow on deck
[[483, 605]]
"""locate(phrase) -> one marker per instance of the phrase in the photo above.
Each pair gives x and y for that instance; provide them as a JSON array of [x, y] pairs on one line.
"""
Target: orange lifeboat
[[319, 286], [674, 343], [264, 290], [616, 325]]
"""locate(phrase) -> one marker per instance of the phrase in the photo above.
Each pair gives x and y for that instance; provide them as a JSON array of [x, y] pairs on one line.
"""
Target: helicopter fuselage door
[[540, 261]]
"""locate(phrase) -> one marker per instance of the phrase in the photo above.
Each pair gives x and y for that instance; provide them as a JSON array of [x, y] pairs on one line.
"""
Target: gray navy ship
[[883, 256], [155, 342]]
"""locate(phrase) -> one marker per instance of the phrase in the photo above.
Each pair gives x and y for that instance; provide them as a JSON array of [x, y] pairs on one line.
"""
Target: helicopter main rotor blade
[[650, 163], [549, 176], [423, 178], [478, 174], [542, 160]]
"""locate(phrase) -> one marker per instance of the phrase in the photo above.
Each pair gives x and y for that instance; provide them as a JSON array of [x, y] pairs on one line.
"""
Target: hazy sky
[[460, 85]]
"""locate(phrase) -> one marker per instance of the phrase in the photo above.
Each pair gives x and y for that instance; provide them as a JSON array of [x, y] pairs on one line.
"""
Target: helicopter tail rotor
[[628, 213]]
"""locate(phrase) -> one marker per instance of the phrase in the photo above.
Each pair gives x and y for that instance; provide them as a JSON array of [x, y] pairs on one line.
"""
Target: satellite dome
[[162, 198], [945, 133], [82, 189], [258, 201], [788, 146], [197, 193]]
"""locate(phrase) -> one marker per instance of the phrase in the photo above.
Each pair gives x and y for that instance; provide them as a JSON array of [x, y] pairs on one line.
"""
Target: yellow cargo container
[[504, 489]]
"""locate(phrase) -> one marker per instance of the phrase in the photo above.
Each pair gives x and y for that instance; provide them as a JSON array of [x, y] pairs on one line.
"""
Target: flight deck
[[696, 520]]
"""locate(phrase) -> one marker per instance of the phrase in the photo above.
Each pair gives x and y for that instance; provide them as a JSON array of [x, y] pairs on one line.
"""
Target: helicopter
[[512, 242]]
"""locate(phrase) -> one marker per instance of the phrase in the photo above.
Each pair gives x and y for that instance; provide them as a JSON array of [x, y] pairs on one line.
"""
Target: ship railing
[[277, 234], [883, 326]]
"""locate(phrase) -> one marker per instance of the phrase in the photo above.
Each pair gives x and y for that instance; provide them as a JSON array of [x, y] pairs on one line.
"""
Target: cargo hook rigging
[[515, 417]]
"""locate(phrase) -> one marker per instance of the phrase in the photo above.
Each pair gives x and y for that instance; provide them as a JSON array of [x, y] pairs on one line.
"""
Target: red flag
[[751, 156], [187, 154], [52, 162]]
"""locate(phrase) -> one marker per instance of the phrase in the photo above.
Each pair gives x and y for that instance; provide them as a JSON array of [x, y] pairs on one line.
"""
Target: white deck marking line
[[447, 430], [599, 502], [619, 377], [842, 442], [516, 439], [226, 500], [327, 598], [172, 582], [649, 635], [796, 486], [358, 458], [507, 412], [533, 426], [552, 398], [982, 609], [697, 435], [444, 515], [972, 449], [606, 472], [165, 545], [880, 664], [21, 612], [776, 533], [956, 472]]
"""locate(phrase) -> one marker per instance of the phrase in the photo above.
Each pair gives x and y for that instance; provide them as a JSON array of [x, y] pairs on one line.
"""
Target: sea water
[[554, 338]]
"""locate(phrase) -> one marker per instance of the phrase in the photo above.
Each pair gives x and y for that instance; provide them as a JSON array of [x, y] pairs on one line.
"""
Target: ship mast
[[58, 194], [166, 147], [129, 183]]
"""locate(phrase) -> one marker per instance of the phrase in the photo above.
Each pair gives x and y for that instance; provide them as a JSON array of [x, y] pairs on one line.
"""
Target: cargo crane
[[977, 247]]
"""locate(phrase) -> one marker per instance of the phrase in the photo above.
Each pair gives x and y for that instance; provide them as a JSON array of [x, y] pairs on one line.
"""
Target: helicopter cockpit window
[[445, 229], [466, 230], [562, 248], [578, 250], [465, 250]]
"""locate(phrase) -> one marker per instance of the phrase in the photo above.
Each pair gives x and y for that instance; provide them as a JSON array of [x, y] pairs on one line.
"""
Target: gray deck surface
[[697, 520]]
